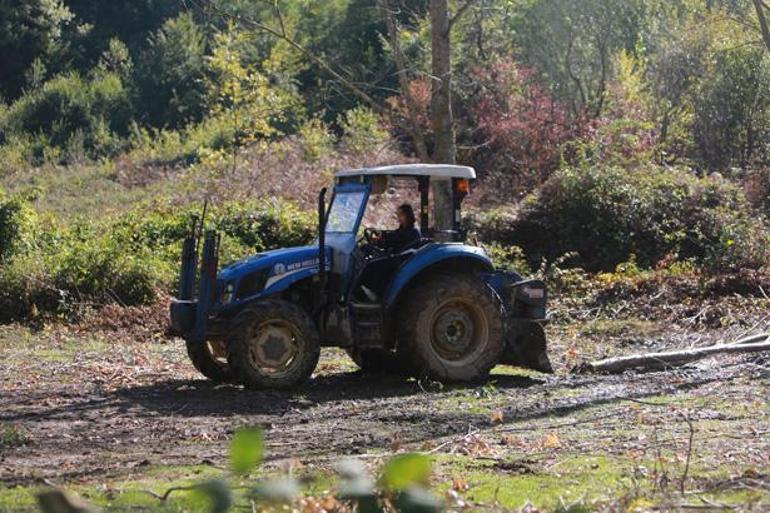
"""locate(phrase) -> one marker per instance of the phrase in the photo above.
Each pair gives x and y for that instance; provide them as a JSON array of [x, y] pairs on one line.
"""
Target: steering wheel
[[369, 235], [371, 249]]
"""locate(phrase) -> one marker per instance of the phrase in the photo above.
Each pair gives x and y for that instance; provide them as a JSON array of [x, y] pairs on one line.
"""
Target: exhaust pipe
[[322, 275], [322, 237]]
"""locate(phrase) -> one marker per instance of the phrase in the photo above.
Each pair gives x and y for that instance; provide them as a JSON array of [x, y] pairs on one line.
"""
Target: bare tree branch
[[281, 33], [459, 13], [670, 359], [415, 130], [761, 6]]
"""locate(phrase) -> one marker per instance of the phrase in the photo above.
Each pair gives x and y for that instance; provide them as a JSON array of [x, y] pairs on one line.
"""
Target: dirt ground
[[95, 405]]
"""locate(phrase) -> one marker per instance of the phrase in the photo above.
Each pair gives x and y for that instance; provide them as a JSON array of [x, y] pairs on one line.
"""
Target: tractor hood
[[268, 272]]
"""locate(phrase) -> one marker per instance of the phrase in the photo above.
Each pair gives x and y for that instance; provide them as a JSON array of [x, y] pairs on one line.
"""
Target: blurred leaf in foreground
[[217, 493], [283, 490], [246, 450], [406, 470]]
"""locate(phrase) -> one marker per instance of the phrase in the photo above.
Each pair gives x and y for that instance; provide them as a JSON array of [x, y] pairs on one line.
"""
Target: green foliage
[[18, 226], [72, 114], [732, 108], [12, 436], [361, 130], [30, 30], [49, 268], [246, 450], [511, 258], [606, 214], [316, 139], [708, 78], [572, 44], [116, 59], [256, 102], [217, 493], [170, 71], [91, 265], [405, 471], [266, 224], [405, 480]]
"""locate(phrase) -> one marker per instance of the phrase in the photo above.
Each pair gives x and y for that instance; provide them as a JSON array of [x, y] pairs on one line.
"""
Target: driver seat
[[377, 274]]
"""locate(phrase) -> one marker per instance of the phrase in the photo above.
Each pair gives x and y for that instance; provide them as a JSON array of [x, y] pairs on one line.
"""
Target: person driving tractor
[[402, 237]]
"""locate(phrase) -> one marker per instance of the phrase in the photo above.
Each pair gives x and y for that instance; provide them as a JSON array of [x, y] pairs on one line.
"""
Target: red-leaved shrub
[[524, 127]]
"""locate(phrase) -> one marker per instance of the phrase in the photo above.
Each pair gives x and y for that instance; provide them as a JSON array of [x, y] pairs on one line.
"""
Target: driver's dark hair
[[408, 211]]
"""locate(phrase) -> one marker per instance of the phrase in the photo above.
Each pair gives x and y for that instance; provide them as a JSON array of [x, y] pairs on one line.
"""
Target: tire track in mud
[[83, 432]]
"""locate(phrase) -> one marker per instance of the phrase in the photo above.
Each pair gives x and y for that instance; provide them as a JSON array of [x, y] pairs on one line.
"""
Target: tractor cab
[[433, 306], [365, 265]]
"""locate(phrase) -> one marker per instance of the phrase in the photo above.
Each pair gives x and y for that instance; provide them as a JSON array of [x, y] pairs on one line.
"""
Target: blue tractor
[[436, 308]]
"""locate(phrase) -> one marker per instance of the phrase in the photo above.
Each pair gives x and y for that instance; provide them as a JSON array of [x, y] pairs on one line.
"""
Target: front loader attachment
[[524, 303], [206, 285], [189, 314], [525, 346]]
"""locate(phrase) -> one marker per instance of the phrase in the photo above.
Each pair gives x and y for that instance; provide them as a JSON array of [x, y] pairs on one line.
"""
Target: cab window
[[344, 212]]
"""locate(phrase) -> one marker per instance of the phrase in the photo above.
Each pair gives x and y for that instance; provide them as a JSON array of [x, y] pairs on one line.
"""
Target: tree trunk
[[441, 110], [668, 359], [763, 25]]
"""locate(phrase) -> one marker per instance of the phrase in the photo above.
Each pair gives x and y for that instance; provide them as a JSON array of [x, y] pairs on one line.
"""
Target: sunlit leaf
[[406, 470], [246, 450]]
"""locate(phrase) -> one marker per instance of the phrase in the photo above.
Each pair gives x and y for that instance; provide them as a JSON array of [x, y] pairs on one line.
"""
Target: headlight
[[228, 294], [532, 292]]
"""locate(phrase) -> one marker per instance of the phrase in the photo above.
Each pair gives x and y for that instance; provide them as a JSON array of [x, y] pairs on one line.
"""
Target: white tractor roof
[[432, 170]]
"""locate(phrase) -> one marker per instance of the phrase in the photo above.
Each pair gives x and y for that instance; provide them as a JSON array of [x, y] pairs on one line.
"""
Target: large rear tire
[[451, 328], [274, 344], [210, 359]]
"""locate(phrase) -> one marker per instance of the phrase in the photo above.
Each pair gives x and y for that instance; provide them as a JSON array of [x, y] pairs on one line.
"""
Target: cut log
[[674, 358]]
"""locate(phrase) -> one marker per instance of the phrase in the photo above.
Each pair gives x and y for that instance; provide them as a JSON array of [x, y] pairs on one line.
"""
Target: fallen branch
[[669, 359]]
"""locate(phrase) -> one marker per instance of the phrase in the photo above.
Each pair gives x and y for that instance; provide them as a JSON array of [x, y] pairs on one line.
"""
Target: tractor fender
[[433, 257]]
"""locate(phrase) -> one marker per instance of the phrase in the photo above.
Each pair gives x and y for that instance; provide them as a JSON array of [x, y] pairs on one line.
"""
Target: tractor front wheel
[[451, 328], [274, 344], [210, 359]]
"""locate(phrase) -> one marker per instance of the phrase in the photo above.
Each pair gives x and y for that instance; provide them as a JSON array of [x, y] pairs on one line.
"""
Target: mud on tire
[[209, 358], [451, 328], [273, 344]]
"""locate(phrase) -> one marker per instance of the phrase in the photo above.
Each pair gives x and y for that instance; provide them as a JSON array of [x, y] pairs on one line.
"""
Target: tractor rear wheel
[[451, 328], [210, 359], [274, 344]]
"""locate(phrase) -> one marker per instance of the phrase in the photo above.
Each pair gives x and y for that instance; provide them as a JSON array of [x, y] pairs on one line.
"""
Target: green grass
[[575, 478], [130, 495], [11, 436]]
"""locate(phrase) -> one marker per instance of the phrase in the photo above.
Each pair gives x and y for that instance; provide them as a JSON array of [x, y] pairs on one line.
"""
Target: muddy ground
[[89, 406]]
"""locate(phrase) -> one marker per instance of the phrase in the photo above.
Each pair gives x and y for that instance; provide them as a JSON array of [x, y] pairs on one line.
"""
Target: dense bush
[[524, 127], [17, 226], [126, 260], [73, 115], [608, 214]]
